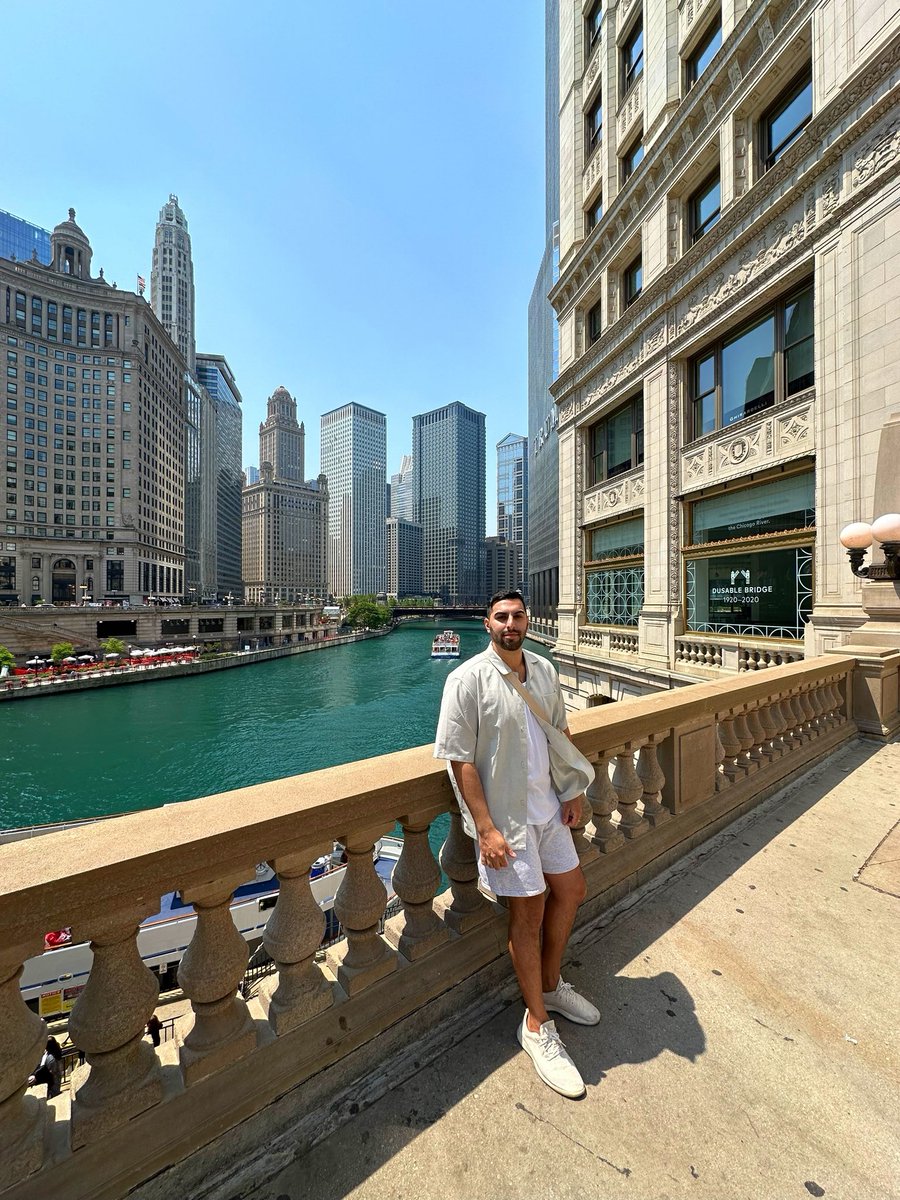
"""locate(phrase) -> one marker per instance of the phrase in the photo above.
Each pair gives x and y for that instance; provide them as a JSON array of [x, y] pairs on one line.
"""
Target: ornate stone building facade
[[95, 442], [284, 519], [728, 327]]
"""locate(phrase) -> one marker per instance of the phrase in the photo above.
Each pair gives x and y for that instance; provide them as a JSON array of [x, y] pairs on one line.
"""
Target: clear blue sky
[[363, 183]]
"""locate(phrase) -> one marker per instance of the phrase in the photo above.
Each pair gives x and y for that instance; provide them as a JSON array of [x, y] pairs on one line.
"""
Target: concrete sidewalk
[[749, 1047]]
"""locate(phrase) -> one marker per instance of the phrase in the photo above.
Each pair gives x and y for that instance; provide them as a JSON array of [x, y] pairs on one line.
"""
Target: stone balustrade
[[734, 655], [670, 769]]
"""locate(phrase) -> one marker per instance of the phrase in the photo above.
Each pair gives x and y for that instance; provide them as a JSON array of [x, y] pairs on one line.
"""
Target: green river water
[[125, 748]]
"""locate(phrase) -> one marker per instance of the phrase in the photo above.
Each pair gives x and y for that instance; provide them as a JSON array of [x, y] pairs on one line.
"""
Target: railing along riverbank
[[671, 769], [21, 688]]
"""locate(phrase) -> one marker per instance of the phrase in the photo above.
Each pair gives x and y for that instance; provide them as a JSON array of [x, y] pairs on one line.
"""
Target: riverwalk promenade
[[749, 1045], [22, 687]]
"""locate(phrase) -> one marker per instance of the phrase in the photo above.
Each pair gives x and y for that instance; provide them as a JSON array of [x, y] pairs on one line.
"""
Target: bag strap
[[528, 698]]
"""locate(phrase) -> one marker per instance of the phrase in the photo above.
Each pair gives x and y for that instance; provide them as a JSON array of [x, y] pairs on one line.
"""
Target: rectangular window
[[704, 52], [633, 57], [593, 27], [632, 157], [632, 282], [593, 215], [594, 323], [783, 123], [758, 367], [705, 207], [614, 586], [616, 443], [593, 127]]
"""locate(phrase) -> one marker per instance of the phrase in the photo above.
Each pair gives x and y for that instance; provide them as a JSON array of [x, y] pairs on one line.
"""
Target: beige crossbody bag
[[570, 772]]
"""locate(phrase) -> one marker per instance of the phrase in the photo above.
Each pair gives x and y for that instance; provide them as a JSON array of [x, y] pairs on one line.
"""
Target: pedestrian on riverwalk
[[520, 785], [154, 1026]]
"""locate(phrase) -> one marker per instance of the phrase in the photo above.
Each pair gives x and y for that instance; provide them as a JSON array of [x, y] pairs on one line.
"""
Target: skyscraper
[[512, 498], [172, 279], [449, 490], [284, 518], [95, 444], [543, 368], [404, 558], [215, 374], [402, 500], [354, 450], [23, 241]]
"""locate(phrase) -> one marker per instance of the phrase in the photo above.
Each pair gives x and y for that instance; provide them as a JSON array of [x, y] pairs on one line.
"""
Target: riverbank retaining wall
[[21, 688]]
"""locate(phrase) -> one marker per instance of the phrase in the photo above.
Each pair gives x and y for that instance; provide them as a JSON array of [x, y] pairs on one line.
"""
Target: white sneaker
[[551, 1059], [565, 1000]]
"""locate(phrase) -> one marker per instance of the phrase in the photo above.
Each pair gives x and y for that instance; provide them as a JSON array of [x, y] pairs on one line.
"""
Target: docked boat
[[51, 982], [445, 645]]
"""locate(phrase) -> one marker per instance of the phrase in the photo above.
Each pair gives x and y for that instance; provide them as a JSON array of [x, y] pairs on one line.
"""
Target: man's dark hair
[[507, 594]]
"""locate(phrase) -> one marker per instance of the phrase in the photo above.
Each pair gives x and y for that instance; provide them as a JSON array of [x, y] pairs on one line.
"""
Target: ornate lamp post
[[858, 537]]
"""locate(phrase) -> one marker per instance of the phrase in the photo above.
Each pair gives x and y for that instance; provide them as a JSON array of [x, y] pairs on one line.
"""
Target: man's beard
[[508, 638]]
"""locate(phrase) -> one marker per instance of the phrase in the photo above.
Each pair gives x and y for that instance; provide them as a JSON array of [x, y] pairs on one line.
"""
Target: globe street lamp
[[858, 536]]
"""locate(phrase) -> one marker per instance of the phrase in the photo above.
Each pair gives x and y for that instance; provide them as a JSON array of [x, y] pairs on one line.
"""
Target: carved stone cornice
[[770, 227], [616, 498], [779, 436], [698, 110]]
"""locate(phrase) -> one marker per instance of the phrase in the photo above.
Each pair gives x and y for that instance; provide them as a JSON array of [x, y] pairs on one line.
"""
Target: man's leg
[[566, 893], [525, 916]]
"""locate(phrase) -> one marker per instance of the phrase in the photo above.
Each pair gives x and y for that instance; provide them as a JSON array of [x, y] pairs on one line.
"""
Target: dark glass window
[[705, 207], [593, 214], [704, 52], [783, 123], [617, 442], [632, 281], [758, 367], [633, 56], [594, 326], [593, 128], [631, 158], [593, 27]]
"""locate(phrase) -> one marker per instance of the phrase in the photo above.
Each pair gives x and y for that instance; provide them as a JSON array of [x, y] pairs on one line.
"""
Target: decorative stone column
[[464, 907], [731, 748], [121, 1076], [417, 930], [359, 905], [652, 780], [293, 934], [23, 1036], [584, 847], [629, 790], [604, 802], [219, 1031]]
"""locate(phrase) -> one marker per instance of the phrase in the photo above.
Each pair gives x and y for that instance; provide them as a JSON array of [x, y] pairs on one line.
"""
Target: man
[[499, 761]]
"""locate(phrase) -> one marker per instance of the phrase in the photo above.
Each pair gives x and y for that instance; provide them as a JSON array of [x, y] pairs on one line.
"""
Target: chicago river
[[122, 749]]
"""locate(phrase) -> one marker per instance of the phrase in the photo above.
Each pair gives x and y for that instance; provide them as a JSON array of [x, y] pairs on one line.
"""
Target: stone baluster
[[812, 716], [816, 699], [220, 1030], [745, 737], [722, 780], [584, 848], [23, 1036], [771, 748], [789, 735], [652, 780], [604, 801], [464, 907], [121, 1076], [732, 747], [364, 957], [778, 719], [800, 725], [829, 700], [293, 934], [629, 790], [835, 702], [417, 930], [758, 734]]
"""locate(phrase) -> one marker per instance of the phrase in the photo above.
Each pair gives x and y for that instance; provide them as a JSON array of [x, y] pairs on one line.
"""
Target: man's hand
[[571, 811], [494, 848]]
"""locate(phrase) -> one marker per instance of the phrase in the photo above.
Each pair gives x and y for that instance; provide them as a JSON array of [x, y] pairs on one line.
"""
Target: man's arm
[[491, 842]]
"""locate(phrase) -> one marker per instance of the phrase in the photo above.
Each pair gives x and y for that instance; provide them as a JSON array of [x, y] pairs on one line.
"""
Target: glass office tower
[[512, 498], [354, 454], [215, 374], [20, 239]]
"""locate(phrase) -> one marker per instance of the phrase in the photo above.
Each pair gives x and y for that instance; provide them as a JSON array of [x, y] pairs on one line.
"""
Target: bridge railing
[[669, 770]]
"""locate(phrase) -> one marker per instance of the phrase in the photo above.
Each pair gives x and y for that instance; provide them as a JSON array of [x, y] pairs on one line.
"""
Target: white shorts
[[549, 850]]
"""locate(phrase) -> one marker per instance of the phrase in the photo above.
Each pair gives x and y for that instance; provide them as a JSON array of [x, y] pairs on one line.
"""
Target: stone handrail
[[670, 768]]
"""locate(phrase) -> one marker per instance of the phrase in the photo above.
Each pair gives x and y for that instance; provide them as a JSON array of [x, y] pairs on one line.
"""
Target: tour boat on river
[[51, 982], [445, 645]]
